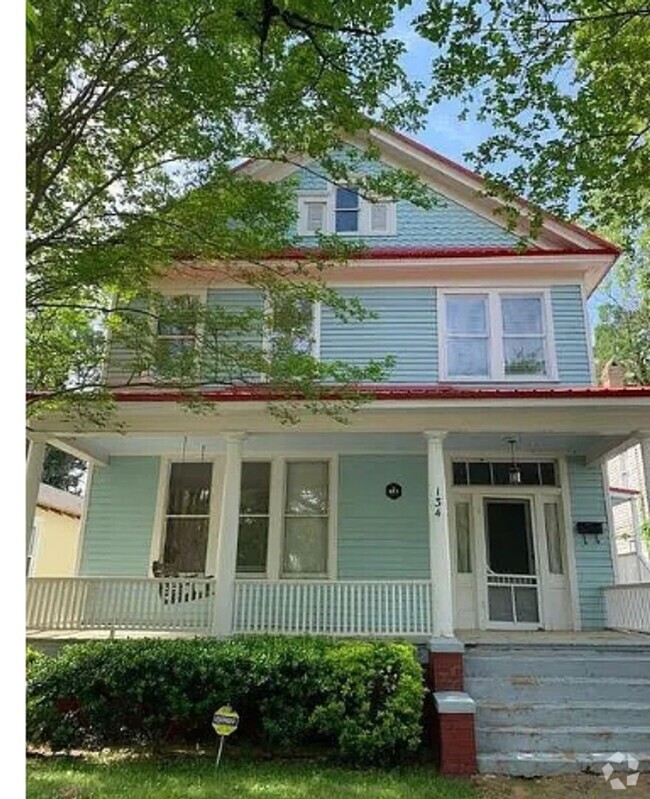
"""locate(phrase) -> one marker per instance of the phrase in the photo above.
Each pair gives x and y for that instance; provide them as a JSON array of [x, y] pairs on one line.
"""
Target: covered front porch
[[408, 524]]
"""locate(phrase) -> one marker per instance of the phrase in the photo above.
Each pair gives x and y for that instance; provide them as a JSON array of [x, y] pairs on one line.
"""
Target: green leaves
[[363, 699], [136, 113], [566, 86]]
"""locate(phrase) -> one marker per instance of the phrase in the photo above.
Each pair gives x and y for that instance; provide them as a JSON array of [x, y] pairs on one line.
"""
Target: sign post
[[224, 722]]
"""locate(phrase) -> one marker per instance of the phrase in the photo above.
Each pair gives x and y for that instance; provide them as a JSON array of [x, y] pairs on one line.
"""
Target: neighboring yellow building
[[55, 540]]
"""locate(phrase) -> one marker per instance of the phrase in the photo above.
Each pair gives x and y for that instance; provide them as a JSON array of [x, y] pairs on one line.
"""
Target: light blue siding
[[570, 335], [380, 538], [120, 518], [406, 327], [447, 224], [235, 301], [593, 559]]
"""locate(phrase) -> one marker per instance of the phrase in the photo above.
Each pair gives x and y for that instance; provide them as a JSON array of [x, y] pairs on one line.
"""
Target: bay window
[[495, 335]]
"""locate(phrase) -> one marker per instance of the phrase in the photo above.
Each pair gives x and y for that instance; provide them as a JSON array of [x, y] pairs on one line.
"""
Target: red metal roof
[[385, 392]]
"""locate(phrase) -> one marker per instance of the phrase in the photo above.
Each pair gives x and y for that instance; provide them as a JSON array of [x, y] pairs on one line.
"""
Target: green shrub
[[362, 697]]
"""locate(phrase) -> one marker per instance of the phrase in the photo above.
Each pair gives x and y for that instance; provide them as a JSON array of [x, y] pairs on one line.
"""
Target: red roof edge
[[386, 253], [379, 393], [633, 492]]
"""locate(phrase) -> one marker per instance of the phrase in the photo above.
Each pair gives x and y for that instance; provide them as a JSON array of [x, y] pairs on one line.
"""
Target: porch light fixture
[[514, 472]]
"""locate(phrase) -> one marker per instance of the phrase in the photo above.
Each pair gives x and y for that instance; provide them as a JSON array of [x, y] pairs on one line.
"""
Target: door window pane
[[526, 604], [500, 603], [463, 538], [553, 537]]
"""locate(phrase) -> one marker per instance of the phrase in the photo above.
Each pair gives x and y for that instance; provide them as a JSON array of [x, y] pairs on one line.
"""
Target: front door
[[511, 572]]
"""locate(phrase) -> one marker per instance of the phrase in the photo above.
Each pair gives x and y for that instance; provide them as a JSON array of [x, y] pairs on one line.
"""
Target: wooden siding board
[[593, 559], [570, 334], [405, 327], [120, 518], [380, 538]]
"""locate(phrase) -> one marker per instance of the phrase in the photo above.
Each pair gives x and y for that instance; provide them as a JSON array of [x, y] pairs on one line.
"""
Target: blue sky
[[443, 131]]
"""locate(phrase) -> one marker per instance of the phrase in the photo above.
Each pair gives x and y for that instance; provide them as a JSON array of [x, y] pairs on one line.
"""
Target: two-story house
[[467, 496]]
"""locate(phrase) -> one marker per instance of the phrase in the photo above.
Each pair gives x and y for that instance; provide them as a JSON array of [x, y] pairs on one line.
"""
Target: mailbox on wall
[[590, 530]]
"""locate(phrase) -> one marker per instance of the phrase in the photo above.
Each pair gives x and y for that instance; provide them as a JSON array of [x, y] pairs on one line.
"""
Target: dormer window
[[343, 211]]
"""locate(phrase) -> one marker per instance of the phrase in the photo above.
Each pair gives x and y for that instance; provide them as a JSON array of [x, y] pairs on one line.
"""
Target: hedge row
[[363, 698]]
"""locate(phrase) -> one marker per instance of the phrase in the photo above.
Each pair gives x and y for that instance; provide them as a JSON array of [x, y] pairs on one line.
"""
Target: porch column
[[439, 554], [35, 458], [227, 541]]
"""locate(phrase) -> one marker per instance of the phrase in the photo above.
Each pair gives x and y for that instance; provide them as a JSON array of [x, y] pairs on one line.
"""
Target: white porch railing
[[628, 607], [120, 603], [346, 608]]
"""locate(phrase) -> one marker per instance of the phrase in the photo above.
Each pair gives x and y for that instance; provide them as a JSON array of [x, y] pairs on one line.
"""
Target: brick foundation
[[451, 712], [456, 743], [445, 671]]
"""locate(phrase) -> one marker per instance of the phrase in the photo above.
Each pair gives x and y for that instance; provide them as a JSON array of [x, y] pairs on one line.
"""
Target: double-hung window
[[177, 325], [346, 210], [292, 325], [187, 518], [284, 519], [496, 335]]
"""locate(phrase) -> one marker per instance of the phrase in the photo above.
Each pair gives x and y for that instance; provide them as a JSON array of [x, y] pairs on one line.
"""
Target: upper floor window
[[496, 335], [177, 325], [292, 326], [344, 211]]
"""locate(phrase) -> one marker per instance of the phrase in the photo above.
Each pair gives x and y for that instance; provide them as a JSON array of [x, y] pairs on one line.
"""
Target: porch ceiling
[[294, 441]]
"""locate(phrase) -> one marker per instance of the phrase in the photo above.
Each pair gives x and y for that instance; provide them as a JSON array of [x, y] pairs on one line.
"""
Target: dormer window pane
[[315, 216], [347, 210], [378, 217]]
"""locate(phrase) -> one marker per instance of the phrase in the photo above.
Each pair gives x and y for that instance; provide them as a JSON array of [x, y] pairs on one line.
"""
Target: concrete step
[[546, 764], [534, 689], [573, 665], [563, 740], [547, 714]]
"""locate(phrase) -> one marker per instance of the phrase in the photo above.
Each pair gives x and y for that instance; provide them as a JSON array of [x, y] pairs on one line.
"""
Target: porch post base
[[454, 739], [445, 667]]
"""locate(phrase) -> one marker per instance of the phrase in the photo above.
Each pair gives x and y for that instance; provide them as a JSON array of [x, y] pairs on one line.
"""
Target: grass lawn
[[195, 778]]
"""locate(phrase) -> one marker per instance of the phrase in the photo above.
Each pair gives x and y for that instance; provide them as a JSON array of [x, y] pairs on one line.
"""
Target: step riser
[[534, 690], [561, 715], [493, 741], [621, 668]]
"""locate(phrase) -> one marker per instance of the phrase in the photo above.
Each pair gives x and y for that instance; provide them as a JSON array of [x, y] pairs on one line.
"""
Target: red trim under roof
[[373, 253], [386, 392]]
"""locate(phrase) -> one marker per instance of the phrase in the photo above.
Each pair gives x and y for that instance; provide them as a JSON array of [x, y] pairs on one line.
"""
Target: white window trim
[[328, 197], [275, 542], [496, 369]]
